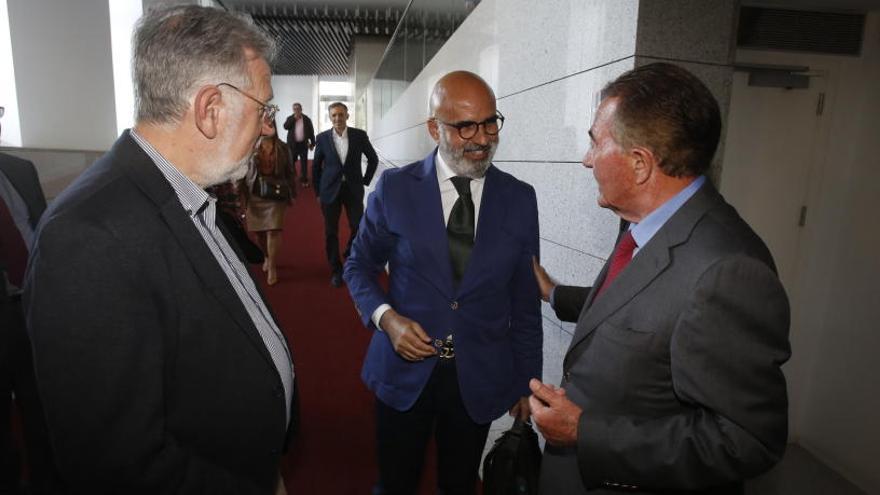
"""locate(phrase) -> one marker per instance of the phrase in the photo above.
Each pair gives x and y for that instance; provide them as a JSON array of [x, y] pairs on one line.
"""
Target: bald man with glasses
[[457, 335]]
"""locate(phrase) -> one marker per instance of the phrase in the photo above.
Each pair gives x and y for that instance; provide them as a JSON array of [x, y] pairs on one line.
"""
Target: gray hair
[[180, 48]]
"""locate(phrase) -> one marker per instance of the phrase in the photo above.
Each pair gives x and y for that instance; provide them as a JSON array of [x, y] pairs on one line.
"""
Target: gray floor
[[801, 473]]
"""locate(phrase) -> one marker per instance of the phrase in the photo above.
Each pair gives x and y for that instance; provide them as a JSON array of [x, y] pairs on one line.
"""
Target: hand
[[545, 283], [407, 336], [280, 489], [554, 414], [521, 409]]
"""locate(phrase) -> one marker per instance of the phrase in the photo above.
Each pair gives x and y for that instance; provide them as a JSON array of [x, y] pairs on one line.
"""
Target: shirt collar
[[191, 196], [336, 135], [646, 229]]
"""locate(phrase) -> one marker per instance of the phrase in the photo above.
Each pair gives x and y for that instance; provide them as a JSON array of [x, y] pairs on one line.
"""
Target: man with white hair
[[161, 367]]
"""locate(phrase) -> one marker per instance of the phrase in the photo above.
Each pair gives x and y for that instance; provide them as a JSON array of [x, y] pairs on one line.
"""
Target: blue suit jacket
[[494, 312], [328, 169]]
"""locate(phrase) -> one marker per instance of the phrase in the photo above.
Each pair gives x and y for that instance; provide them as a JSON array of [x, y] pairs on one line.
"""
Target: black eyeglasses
[[468, 129], [267, 110]]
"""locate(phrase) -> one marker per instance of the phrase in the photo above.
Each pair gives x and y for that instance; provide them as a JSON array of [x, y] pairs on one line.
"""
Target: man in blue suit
[[336, 169], [458, 333]]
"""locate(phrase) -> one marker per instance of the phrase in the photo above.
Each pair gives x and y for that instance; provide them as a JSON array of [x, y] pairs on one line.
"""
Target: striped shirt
[[202, 210]]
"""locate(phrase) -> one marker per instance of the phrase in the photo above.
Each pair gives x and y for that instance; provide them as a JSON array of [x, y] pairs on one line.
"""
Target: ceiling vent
[[800, 31]]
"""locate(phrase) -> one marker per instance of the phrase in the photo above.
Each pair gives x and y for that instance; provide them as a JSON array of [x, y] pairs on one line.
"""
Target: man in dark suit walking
[[457, 335], [340, 180], [300, 139], [672, 381], [21, 205], [160, 365]]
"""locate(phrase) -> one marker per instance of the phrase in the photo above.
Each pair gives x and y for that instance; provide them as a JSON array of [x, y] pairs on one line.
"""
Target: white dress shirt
[[448, 196], [341, 143]]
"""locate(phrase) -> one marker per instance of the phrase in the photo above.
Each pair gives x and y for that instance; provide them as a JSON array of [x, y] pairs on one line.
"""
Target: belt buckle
[[445, 349]]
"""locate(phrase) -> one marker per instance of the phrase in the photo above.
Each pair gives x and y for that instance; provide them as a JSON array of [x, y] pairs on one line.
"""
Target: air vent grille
[[817, 32]]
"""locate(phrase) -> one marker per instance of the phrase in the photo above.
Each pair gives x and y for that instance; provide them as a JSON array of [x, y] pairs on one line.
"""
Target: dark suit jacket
[[308, 130], [494, 312], [677, 364], [23, 176], [328, 169], [153, 376]]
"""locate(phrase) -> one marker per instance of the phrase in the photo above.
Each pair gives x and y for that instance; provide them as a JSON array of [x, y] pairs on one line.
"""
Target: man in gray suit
[[672, 381]]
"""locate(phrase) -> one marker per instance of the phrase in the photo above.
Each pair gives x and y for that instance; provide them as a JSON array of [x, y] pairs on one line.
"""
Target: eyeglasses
[[468, 129], [267, 110]]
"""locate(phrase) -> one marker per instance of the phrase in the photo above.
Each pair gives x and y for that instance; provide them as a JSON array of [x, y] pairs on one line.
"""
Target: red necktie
[[622, 256], [13, 252]]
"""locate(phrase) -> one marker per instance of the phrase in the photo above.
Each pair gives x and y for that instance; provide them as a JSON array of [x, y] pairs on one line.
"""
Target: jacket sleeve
[[526, 331], [372, 160], [98, 330], [288, 123], [568, 301], [369, 254], [318, 166], [727, 349]]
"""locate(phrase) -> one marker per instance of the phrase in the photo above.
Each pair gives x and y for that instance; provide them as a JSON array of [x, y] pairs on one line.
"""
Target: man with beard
[[160, 365], [457, 335]]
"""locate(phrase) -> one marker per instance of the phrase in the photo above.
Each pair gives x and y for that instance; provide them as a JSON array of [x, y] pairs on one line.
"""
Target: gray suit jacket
[[677, 364]]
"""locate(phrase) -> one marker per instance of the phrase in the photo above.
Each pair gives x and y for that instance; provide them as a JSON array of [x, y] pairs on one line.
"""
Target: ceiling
[[315, 36]]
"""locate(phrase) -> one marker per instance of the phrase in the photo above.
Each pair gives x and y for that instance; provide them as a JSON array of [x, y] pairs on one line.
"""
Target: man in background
[[21, 205], [672, 382], [457, 335], [340, 180], [300, 139], [161, 368]]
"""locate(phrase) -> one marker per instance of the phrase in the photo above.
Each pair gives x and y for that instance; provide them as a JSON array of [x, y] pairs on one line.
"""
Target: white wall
[[63, 73]]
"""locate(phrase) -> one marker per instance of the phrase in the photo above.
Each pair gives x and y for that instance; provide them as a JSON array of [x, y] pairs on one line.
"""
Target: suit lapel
[[428, 208], [145, 175], [489, 225], [650, 261]]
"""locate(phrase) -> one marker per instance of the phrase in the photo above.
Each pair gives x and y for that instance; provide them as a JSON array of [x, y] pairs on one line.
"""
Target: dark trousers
[[17, 376], [300, 151], [402, 438], [354, 210]]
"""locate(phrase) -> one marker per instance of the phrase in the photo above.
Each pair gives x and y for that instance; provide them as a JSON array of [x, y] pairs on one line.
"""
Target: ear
[[434, 130], [206, 110], [644, 163]]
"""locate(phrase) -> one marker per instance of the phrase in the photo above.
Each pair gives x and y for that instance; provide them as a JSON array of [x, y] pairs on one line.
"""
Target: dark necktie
[[460, 228], [13, 252], [622, 256]]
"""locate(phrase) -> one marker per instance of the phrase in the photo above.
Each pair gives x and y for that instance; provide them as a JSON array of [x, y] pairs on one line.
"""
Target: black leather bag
[[272, 188], [513, 464]]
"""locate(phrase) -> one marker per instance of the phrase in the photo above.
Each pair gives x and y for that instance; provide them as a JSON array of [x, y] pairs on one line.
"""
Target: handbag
[[272, 187], [513, 464], [268, 187]]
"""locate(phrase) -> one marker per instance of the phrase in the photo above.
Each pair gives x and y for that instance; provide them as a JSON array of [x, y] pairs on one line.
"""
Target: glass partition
[[423, 29]]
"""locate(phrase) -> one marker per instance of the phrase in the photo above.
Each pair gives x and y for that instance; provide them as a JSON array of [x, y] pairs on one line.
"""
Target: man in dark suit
[[337, 172], [161, 368], [21, 204], [300, 139], [672, 381], [457, 336]]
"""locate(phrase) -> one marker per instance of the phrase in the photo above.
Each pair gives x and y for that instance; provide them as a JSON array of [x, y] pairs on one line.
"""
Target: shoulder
[[13, 162], [722, 234], [510, 183]]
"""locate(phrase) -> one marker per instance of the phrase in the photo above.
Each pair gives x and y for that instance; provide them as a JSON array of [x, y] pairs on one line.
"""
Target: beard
[[229, 172], [466, 167]]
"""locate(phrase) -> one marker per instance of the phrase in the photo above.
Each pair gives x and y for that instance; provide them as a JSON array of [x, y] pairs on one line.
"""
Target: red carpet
[[334, 452]]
